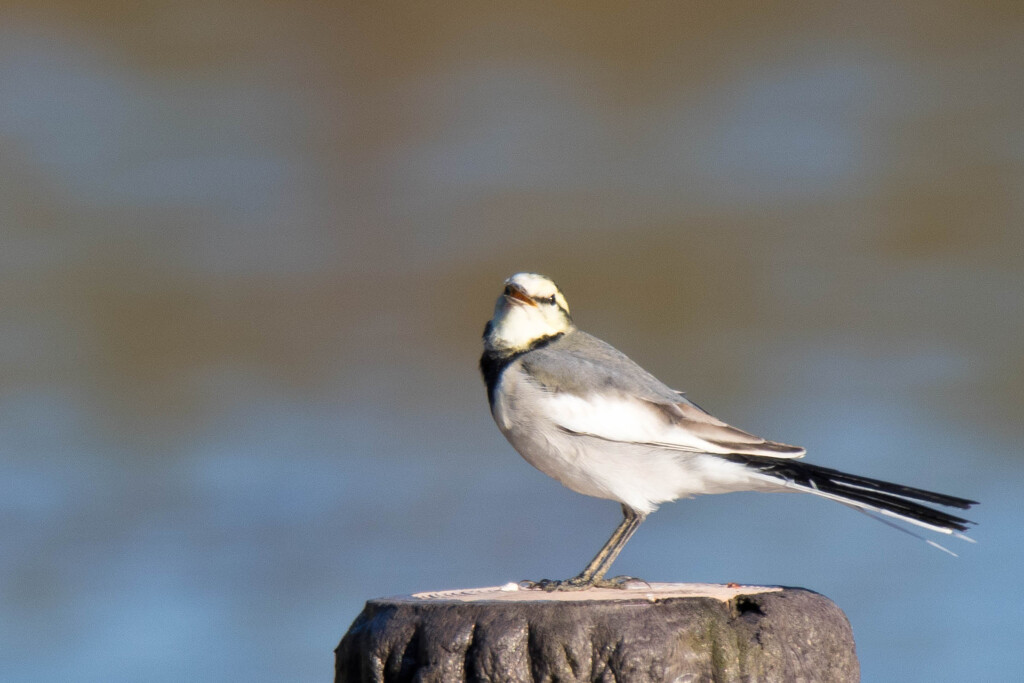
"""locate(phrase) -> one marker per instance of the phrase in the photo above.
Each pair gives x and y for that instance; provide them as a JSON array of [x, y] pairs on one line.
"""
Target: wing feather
[[596, 390]]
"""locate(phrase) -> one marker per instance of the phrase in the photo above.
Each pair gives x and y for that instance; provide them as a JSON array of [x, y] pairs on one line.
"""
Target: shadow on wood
[[649, 632]]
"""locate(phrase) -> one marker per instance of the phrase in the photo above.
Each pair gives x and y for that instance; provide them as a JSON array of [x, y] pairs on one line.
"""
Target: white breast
[[604, 447]]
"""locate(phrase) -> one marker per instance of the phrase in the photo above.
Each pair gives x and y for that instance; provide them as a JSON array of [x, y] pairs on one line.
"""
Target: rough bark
[[664, 632]]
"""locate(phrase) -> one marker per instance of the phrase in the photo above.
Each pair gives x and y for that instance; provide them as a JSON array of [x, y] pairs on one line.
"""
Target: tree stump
[[647, 632]]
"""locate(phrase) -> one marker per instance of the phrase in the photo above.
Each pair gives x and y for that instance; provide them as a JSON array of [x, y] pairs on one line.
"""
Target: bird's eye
[[551, 300], [508, 289]]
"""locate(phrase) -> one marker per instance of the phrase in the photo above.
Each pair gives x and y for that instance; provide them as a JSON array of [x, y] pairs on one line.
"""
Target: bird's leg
[[592, 575], [602, 562]]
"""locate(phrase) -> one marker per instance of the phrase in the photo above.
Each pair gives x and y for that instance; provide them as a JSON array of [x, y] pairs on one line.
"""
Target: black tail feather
[[903, 501]]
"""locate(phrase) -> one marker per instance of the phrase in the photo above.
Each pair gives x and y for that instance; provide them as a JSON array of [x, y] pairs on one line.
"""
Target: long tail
[[867, 495]]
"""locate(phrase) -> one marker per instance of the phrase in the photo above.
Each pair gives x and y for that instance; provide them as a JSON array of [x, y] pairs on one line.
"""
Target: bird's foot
[[551, 585], [620, 582], [579, 583]]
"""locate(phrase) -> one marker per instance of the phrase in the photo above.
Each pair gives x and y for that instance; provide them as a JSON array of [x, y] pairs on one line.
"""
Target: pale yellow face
[[530, 308]]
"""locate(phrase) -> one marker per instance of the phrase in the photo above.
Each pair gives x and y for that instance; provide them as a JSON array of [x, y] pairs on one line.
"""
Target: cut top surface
[[635, 590]]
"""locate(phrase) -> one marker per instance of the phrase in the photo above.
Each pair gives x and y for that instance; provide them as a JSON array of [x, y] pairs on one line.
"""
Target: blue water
[[244, 267]]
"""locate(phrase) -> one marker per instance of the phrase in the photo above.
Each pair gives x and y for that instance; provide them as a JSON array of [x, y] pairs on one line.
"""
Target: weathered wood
[[648, 632]]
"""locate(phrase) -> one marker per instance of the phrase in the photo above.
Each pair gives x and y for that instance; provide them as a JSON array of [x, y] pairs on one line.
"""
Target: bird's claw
[[578, 583], [551, 585], [620, 582]]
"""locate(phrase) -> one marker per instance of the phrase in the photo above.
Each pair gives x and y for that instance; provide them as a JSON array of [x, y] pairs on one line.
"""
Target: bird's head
[[530, 308]]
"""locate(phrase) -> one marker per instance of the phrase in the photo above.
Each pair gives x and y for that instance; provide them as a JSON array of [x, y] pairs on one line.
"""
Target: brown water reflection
[[247, 250]]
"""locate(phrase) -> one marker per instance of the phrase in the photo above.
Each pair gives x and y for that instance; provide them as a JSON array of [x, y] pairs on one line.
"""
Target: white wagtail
[[585, 414]]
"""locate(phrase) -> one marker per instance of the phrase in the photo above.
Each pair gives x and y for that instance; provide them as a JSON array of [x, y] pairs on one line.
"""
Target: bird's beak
[[517, 294]]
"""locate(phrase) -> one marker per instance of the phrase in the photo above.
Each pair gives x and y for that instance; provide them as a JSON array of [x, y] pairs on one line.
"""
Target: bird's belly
[[639, 476], [558, 458]]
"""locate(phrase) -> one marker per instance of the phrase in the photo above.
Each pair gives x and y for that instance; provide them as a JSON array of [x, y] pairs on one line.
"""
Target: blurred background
[[247, 250]]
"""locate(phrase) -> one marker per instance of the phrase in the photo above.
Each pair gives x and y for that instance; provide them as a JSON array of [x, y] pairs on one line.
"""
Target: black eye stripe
[[552, 300]]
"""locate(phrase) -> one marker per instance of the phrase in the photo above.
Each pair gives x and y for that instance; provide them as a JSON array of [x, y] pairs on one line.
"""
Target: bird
[[585, 414]]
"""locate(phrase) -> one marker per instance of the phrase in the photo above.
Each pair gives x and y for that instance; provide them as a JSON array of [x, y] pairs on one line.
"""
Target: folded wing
[[594, 389], [678, 426]]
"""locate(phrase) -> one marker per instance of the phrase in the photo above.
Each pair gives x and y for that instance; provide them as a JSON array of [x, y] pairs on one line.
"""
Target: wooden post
[[647, 632]]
